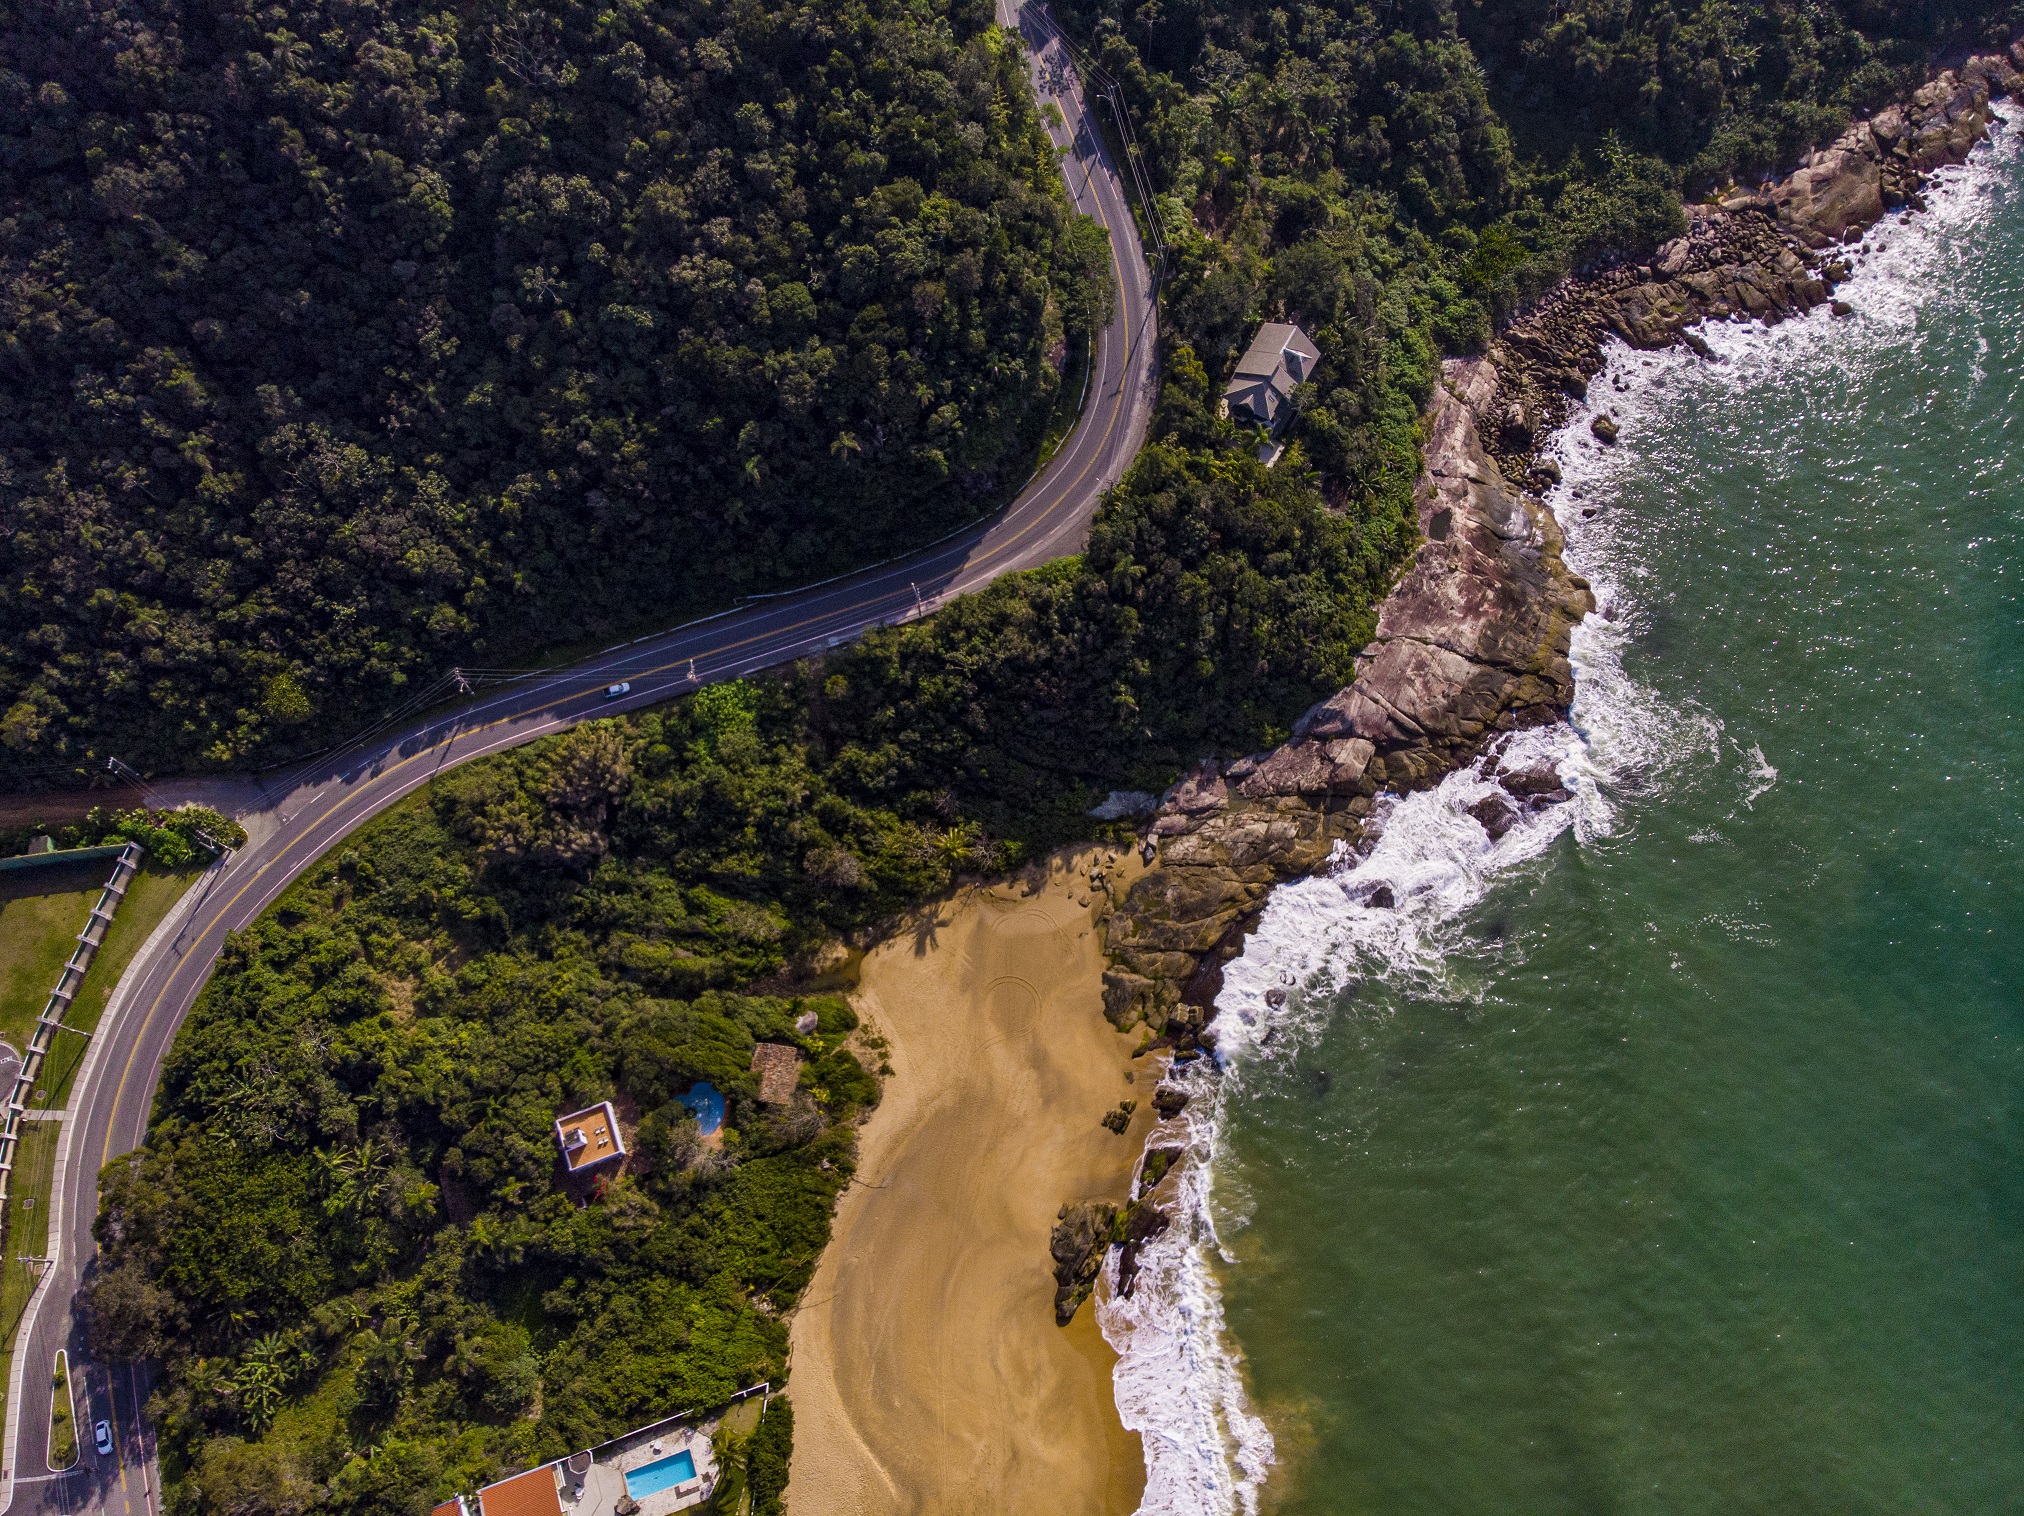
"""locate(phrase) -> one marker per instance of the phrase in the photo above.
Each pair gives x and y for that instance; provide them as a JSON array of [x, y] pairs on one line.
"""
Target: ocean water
[[1667, 1155]]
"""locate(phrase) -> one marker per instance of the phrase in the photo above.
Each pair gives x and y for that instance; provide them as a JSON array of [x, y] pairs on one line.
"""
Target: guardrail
[[58, 857], [50, 1022]]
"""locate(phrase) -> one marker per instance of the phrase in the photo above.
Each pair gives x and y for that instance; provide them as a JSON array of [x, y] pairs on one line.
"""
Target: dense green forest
[[1403, 175], [346, 1241], [1720, 89], [346, 339]]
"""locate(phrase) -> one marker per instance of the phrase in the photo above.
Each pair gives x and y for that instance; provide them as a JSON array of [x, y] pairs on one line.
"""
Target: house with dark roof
[[1279, 357]]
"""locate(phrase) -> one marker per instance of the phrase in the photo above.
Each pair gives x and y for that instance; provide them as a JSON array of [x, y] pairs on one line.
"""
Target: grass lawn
[[732, 1497], [40, 917], [41, 913], [62, 1417], [27, 1234]]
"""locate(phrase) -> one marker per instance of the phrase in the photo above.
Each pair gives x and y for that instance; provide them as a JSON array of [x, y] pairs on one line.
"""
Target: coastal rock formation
[[1082, 1231], [1473, 640], [1765, 254], [1470, 643]]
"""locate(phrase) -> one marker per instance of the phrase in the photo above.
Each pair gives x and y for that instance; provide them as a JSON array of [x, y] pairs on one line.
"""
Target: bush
[[767, 1455]]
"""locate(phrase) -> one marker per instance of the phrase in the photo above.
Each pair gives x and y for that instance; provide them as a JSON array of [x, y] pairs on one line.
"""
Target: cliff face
[[1472, 642]]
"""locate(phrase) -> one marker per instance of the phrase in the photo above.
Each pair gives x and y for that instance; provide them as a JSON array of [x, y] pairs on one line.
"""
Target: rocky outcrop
[[1765, 253], [1879, 164], [1083, 1230], [1473, 640], [1470, 643]]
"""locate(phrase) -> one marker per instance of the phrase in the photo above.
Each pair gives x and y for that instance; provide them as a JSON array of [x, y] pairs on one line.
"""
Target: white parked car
[[613, 691]]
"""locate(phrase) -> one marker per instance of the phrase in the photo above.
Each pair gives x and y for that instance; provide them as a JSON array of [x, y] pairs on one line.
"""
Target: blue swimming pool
[[707, 1101], [661, 1474]]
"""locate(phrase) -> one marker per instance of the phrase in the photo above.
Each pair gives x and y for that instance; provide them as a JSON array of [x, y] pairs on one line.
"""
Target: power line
[[1112, 94]]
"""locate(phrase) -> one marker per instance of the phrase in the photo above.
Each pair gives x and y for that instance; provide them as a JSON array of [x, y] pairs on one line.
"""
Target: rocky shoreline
[[1472, 642], [1761, 254]]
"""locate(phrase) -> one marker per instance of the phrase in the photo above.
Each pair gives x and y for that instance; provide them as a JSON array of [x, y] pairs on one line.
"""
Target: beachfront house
[[659, 1469], [533, 1493]]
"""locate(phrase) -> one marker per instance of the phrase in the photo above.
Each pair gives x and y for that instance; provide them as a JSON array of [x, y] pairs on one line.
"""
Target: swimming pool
[[707, 1101], [661, 1474]]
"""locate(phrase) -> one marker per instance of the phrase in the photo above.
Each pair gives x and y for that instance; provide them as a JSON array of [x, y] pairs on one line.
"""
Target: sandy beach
[[926, 1369]]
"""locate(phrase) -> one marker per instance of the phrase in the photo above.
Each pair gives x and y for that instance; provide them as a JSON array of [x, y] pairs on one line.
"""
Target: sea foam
[[1179, 1379]]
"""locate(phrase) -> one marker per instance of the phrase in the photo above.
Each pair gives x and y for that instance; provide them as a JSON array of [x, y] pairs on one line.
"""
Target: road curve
[[110, 1102]]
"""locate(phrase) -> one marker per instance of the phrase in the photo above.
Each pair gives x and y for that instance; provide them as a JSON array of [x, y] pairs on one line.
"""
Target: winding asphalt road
[[109, 1108]]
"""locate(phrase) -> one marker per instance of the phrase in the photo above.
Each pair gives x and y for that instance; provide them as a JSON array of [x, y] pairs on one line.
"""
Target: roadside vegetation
[[346, 342], [171, 839], [27, 1236], [345, 1240], [42, 910]]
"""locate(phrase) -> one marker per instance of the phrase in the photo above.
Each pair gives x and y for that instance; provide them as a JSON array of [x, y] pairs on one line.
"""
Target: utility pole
[[463, 684], [119, 770], [154, 802]]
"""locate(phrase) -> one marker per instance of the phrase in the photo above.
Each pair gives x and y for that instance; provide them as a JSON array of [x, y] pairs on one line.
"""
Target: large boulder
[[1082, 1233], [1840, 187]]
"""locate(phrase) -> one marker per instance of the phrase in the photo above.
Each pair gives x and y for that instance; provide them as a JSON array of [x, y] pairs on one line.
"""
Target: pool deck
[[594, 1483]]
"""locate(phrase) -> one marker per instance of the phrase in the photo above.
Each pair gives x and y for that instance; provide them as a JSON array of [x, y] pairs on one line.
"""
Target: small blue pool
[[662, 1473], [707, 1101]]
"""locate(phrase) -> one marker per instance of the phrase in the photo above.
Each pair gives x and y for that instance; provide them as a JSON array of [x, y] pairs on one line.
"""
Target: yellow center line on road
[[999, 550]]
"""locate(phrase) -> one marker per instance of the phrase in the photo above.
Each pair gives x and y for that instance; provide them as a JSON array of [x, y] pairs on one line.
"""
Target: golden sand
[[926, 1370]]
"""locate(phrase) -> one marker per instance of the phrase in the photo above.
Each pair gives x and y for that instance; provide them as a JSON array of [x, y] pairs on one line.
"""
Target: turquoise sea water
[[1668, 1157], [661, 1474]]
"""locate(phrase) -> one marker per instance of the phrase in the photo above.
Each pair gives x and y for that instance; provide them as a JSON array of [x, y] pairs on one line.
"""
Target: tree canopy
[[1399, 176], [346, 1239], [348, 339]]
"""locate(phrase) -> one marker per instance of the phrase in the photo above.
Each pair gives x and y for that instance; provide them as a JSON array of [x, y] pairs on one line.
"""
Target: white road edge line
[[166, 930]]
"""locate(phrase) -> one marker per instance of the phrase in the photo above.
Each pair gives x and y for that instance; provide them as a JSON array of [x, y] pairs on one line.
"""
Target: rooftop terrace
[[589, 1137]]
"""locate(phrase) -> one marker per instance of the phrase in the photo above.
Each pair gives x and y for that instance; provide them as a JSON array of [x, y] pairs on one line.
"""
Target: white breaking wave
[[1178, 1383], [1761, 775], [1179, 1380]]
